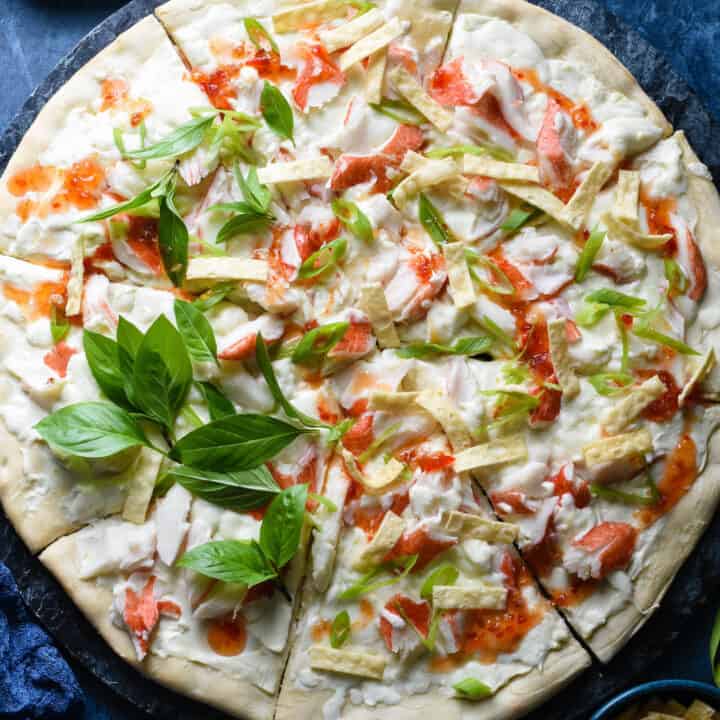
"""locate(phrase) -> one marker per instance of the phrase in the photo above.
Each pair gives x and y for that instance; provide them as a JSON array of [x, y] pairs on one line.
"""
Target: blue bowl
[[681, 690]]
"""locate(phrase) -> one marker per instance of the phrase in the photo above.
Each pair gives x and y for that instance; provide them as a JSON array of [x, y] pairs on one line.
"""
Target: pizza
[[358, 357]]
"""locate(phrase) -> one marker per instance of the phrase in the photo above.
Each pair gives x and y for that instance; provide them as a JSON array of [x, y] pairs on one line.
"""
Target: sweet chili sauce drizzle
[[227, 636]]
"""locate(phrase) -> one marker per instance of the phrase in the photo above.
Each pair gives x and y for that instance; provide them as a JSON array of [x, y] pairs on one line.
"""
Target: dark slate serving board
[[698, 577]]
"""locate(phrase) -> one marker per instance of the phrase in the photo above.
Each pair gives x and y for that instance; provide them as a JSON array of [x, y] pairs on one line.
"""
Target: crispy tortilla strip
[[76, 280], [496, 452], [298, 17], [295, 170], [375, 76], [538, 197], [208, 270], [627, 193], [628, 409], [701, 370], [424, 173], [478, 597], [476, 527], [384, 540], [620, 231], [392, 401], [380, 479], [141, 485], [557, 336], [413, 92], [699, 711], [374, 304], [348, 33], [580, 204], [371, 43], [487, 167], [462, 290], [618, 447], [444, 411], [347, 662]]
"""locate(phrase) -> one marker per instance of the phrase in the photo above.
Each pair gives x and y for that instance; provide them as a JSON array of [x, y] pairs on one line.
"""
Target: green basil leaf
[[324, 259], [445, 574], [103, 358], [162, 373], [257, 33], [91, 430], [519, 217], [141, 199], [464, 346], [340, 629], [59, 324], [237, 442], [400, 111], [277, 112], [642, 329], [338, 430], [183, 139], [173, 238], [238, 491], [196, 331], [219, 406], [610, 383], [613, 298], [472, 689], [589, 253], [129, 339], [318, 342], [257, 195], [282, 525], [431, 219], [210, 298], [366, 585], [480, 149], [353, 218], [247, 221], [230, 561]]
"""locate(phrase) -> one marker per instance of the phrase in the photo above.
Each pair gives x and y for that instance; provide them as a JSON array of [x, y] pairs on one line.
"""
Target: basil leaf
[[277, 112], [59, 324], [91, 430], [472, 689], [138, 201], [324, 259], [480, 149], [129, 339], [218, 405], [230, 561], [103, 358], [318, 342], [173, 238], [210, 298], [589, 253], [282, 525], [237, 442], [340, 629], [254, 192], [353, 218], [432, 221], [162, 373], [257, 33], [519, 217], [464, 346], [642, 329], [262, 357], [610, 383], [365, 584], [399, 110], [183, 139], [196, 331], [445, 574], [238, 491], [613, 298], [338, 430], [247, 221]]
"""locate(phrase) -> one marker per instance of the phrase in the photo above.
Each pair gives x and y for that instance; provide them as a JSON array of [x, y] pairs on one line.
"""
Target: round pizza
[[357, 357]]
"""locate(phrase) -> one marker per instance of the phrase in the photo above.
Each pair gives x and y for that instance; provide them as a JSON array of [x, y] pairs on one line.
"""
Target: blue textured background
[[35, 34]]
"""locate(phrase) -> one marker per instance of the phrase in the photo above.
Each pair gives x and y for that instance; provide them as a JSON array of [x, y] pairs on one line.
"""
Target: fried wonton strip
[[374, 304], [384, 540], [619, 447], [375, 76], [496, 452], [462, 290], [428, 173], [444, 411], [557, 336], [467, 526], [699, 711], [392, 401], [580, 204], [627, 193], [348, 33], [487, 167], [629, 408], [620, 231], [538, 197], [413, 92], [701, 370], [379, 479], [298, 17], [371, 43], [347, 662], [212, 270], [295, 170], [478, 597], [76, 280], [143, 475]]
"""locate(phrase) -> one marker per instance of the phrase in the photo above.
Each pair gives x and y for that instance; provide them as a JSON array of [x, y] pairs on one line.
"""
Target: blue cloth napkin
[[35, 681]]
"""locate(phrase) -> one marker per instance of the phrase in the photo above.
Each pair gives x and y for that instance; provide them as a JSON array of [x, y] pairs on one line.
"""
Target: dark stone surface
[[681, 625]]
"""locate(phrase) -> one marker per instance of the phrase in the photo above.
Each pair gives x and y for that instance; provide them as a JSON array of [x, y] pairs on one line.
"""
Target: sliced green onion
[[503, 285], [59, 324], [257, 33], [625, 344], [318, 342], [497, 333], [483, 150], [340, 629], [510, 402], [613, 298], [445, 574], [472, 689], [588, 254], [649, 496], [677, 280], [610, 383], [353, 218], [714, 643], [464, 346], [326, 502], [429, 641], [324, 259], [213, 296], [365, 584], [433, 222], [591, 313], [519, 217], [515, 373], [641, 328], [400, 111], [379, 441]]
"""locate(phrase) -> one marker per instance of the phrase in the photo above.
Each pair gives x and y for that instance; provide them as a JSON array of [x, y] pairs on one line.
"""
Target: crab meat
[[240, 344]]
